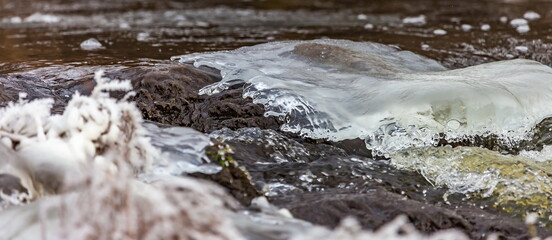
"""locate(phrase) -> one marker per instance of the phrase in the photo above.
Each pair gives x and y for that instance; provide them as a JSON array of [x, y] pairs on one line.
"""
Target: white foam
[[393, 99]]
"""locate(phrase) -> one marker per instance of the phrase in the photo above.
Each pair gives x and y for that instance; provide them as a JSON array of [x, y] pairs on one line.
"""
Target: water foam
[[338, 89], [519, 183]]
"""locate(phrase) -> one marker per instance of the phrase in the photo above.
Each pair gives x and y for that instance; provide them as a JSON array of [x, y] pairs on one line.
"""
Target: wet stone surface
[[319, 181], [324, 186]]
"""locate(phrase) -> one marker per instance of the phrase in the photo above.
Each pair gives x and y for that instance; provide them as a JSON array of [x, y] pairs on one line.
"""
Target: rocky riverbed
[[317, 180]]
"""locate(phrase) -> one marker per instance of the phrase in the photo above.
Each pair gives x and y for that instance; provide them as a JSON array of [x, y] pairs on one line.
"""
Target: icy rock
[[522, 49], [439, 32], [369, 26], [466, 27], [418, 20], [523, 29], [518, 22], [485, 27], [521, 25], [91, 44], [15, 20], [143, 36], [42, 18], [362, 17], [531, 15]]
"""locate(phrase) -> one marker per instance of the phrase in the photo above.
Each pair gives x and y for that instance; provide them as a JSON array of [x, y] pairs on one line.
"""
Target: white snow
[[425, 47]]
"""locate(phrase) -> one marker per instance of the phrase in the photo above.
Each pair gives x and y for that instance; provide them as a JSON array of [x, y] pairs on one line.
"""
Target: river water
[[438, 90]]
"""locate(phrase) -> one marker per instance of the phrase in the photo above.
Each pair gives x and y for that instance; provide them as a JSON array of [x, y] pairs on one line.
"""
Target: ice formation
[[338, 89], [91, 44]]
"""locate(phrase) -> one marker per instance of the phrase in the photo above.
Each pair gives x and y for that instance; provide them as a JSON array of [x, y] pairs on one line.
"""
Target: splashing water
[[519, 183], [338, 89]]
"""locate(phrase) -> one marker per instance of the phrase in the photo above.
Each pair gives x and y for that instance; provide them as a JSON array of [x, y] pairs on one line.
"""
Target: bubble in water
[[453, 124]]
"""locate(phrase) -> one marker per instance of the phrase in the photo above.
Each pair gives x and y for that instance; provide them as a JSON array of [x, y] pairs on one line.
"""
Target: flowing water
[[454, 95]]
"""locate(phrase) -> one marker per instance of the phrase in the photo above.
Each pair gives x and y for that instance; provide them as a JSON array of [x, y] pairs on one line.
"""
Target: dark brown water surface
[[138, 31]]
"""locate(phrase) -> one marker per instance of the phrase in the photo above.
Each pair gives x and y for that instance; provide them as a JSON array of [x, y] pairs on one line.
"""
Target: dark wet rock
[[10, 184], [270, 146], [542, 136], [13, 84], [234, 178], [322, 184], [378, 206], [168, 94], [354, 147]]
